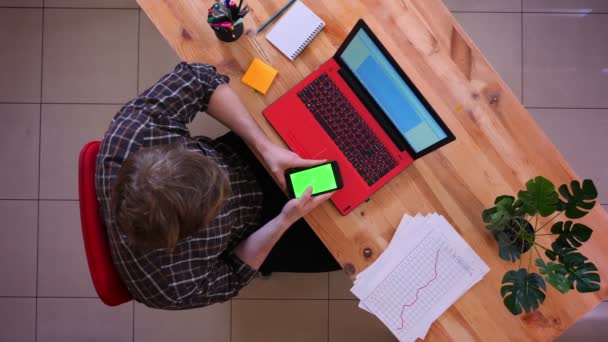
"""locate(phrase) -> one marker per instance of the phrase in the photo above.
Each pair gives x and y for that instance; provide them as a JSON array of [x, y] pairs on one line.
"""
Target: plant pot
[[229, 35], [512, 231]]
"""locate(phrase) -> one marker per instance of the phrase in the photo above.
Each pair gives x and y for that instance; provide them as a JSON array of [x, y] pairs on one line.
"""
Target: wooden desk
[[498, 147]]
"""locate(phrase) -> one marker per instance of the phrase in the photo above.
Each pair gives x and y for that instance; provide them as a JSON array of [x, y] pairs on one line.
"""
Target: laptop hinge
[[375, 110]]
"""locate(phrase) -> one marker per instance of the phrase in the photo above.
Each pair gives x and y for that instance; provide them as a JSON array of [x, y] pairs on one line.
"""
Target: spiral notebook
[[295, 30]]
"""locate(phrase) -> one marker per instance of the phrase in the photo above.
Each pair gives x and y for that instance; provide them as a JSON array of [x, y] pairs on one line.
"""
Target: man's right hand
[[256, 247], [297, 208]]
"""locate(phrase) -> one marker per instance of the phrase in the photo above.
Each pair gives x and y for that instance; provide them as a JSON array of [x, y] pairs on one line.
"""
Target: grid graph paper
[[417, 284]]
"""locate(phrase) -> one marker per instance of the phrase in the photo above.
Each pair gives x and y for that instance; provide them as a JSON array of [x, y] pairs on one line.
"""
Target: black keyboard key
[[307, 93]]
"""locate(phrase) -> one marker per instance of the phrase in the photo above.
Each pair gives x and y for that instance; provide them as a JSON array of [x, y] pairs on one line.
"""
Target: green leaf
[[500, 198], [522, 290], [487, 214], [499, 216], [573, 235], [581, 272], [540, 197], [578, 199], [507, 250], [502, 216], [556, 275], [559, 249]]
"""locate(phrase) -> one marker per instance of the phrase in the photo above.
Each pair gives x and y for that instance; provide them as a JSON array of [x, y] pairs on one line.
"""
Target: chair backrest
[[108, 284]]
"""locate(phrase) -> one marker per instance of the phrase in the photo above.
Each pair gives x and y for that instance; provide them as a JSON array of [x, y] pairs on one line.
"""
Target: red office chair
[[110, 288]]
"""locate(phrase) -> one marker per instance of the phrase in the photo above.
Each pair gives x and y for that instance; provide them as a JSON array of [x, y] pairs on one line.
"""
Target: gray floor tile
[[348, 323], [83, 319], [340, 285], [91, 3], [65, 129], [484, 6], [572, 6], [20, 3], [580, 135], [279, 320], [211, 323], [62, 265], [565, 60], [18, 316], [21, 37], [498, 36], [19, 143], [90, 56], [288, 286], [591, 327], [18, 237]]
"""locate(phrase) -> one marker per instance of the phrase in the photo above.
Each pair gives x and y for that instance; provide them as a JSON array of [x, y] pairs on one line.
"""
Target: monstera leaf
[[580, 198], [499, 216], [559, 249], [539, 197], [556, 275], [486, 215], [522, 290], [507, 249], [572, 235], [583, 273], [502, 216]]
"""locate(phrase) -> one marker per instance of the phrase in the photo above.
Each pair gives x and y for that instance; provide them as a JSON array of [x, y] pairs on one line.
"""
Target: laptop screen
[[392, 94]]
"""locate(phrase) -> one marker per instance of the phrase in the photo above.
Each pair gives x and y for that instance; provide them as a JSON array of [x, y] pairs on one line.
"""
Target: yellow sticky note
[[259, 76]]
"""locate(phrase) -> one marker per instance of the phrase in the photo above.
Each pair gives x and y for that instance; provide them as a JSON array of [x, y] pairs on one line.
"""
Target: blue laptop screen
[[391, 93]]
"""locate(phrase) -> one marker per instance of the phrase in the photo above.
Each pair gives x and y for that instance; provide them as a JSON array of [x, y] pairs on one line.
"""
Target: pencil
[[276, 15]]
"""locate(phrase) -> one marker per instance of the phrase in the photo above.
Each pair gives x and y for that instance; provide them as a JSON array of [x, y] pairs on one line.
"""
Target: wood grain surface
[[498, 146]]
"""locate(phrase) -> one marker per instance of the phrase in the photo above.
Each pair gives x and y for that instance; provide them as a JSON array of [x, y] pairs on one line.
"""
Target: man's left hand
[[279, 159]]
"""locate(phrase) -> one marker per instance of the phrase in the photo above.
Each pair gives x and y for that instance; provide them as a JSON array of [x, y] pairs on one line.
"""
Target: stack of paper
[[426, 268]]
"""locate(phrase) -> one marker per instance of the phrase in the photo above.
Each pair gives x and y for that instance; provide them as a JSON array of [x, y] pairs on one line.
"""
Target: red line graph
[[417, 291]]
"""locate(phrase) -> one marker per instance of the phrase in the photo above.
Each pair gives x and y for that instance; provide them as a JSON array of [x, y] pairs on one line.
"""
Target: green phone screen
[[321, 178]]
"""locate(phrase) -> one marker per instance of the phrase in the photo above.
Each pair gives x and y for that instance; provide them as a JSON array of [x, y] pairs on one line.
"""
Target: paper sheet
[[426, 268]]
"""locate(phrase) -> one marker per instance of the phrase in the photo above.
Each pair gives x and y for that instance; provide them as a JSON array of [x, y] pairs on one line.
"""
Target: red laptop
[[360, 109]]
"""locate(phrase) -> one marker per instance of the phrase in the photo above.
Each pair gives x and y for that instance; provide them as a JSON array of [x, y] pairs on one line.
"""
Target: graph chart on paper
[[417, 284]]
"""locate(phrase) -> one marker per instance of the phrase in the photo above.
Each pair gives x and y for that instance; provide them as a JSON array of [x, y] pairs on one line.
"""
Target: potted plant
[[514, 222]]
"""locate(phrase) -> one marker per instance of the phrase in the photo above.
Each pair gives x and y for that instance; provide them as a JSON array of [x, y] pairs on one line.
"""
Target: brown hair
[[165, 193]]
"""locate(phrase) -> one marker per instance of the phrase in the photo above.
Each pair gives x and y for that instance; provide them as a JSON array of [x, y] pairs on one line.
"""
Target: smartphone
[[322, 178]]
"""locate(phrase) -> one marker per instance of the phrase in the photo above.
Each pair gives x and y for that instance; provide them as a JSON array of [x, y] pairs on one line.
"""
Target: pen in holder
[[225, 17]]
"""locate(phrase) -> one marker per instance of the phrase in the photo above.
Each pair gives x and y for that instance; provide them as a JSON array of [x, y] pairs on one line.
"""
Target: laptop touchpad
[[305, 148]]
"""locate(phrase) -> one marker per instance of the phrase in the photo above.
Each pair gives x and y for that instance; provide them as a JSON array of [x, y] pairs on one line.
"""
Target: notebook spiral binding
[[307, 41]]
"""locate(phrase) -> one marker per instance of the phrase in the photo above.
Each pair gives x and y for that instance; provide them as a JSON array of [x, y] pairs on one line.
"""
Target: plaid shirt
[[202, 269]]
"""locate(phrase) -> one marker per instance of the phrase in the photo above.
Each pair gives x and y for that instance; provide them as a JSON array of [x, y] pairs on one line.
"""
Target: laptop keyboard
[[347, 129]]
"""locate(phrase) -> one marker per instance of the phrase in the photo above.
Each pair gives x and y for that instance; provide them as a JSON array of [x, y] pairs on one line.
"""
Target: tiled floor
[[64, 71]]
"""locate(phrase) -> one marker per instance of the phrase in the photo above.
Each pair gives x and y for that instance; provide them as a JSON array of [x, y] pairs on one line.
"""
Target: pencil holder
[[227, 35]]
